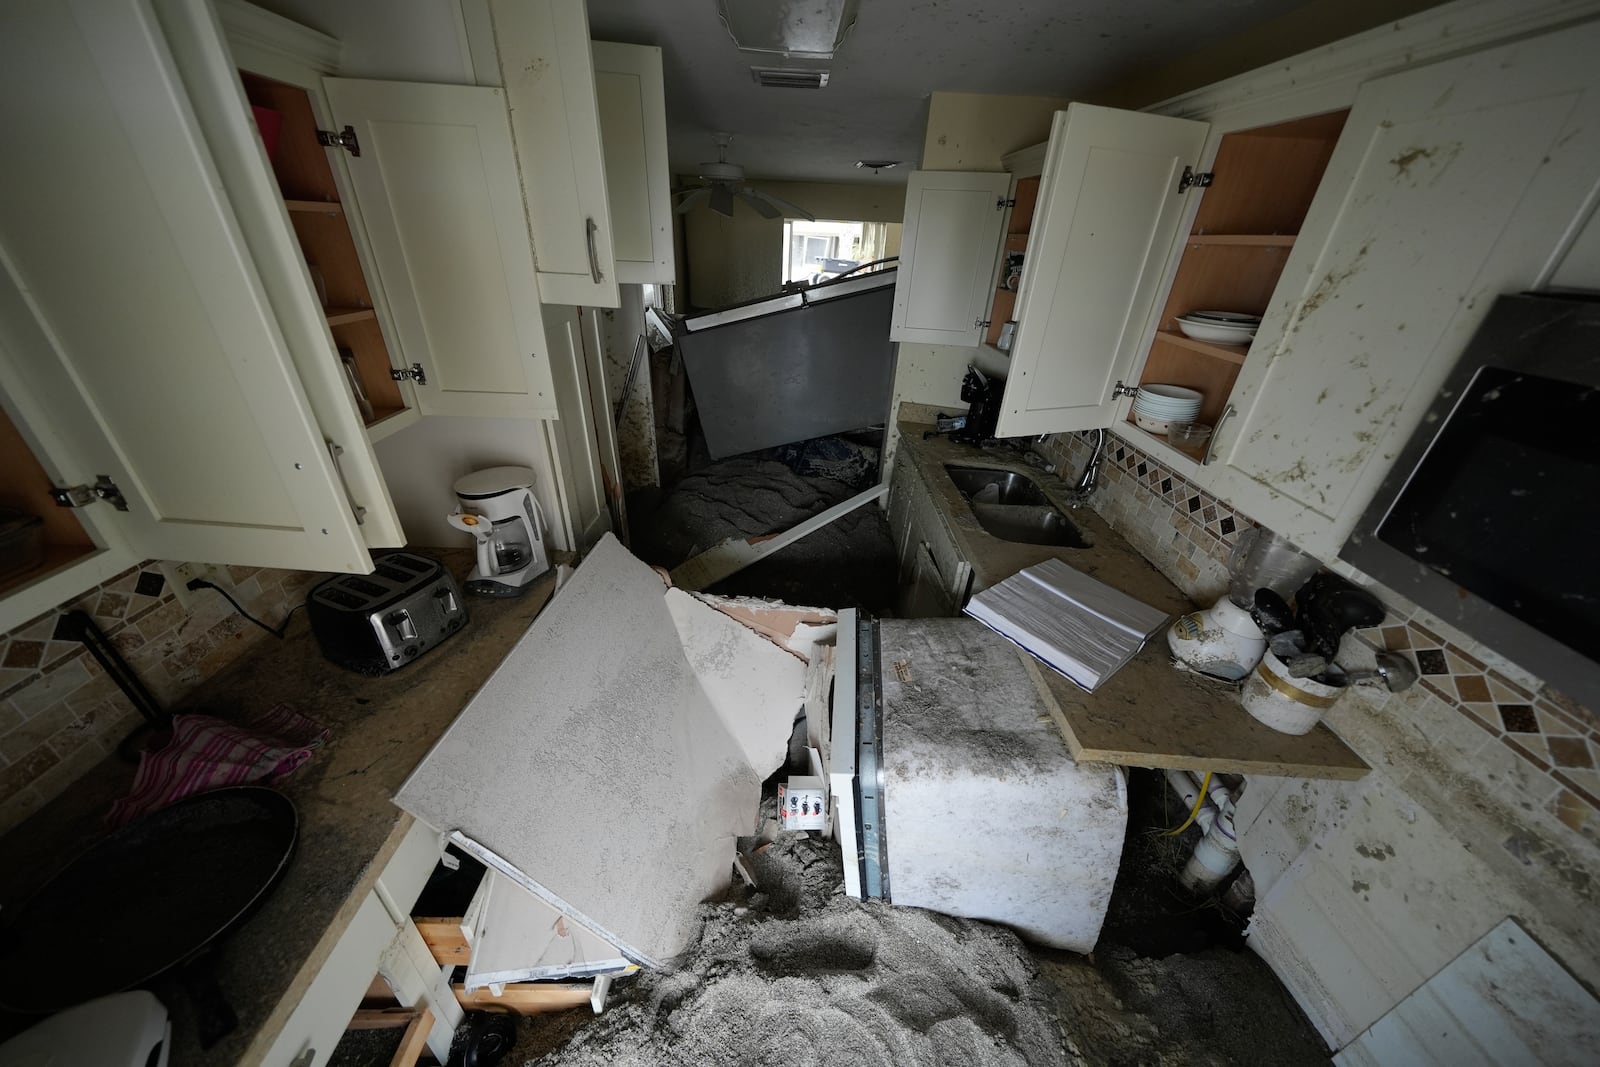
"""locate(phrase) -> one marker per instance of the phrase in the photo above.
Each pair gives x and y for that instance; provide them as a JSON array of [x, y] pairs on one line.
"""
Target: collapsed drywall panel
[[756, 687], [524, 938], [594, 766]]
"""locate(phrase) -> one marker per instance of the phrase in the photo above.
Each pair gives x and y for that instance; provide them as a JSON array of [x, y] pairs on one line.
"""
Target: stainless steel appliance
[[376, 623], [1488, 517], [499, 510]]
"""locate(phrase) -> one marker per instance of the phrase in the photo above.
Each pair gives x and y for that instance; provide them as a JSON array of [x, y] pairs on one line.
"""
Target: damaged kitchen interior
[[555, 532]]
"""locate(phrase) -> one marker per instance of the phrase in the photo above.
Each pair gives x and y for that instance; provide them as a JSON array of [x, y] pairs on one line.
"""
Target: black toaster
[[376, 623]]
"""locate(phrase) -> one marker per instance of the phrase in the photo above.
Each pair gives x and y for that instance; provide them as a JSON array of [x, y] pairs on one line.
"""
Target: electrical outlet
[[179, 575]]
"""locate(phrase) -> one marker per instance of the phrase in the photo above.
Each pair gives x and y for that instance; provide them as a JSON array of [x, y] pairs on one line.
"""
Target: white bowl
[[1216, 333], [1226, 318], [1155, 426]]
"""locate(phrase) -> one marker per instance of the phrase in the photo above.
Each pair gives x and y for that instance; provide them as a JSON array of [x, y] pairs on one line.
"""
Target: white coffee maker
[[499, 510]]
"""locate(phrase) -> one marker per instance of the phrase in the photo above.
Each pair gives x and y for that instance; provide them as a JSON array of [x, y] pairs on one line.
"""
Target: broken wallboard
[[523, 938], [735, 554], [593, 769]]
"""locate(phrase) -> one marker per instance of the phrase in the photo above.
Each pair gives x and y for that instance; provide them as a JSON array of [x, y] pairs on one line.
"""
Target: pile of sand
[[799, 975]]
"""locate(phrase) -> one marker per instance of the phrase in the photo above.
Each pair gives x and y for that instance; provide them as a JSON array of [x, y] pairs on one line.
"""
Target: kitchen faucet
[[1079, 497]]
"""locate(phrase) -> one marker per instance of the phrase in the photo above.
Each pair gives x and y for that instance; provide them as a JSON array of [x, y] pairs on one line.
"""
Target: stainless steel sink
[[988, 486], [1012, 507]]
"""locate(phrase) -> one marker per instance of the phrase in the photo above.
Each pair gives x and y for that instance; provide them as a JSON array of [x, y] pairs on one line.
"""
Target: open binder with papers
[[1079, 626]]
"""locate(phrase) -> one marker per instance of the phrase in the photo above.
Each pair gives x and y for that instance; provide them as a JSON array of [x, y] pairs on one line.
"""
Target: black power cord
[[278, 631]]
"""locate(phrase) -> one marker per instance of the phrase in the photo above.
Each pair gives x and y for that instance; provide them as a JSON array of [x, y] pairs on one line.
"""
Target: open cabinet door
[[948, 248], [437, 185], [1109, 210], [135, 312]]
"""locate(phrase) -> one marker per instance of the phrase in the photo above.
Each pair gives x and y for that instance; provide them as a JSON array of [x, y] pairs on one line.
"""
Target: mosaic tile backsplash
[[1189, 534], [60, 713]]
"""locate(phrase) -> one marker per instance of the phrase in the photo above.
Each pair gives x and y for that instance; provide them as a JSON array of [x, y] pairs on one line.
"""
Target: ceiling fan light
[[876, 164]]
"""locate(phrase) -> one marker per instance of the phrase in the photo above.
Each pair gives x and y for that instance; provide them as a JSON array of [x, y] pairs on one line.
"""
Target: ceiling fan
[[725, 182]]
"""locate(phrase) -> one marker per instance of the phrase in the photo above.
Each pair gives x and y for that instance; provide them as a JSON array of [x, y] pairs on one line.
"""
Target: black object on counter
[[1272, 613], [983, 395], [1329, 607], [154, 895], [379, 622]]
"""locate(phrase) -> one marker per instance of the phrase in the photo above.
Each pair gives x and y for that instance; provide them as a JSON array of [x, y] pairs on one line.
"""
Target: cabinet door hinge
[[1124, 390], [1002, 203], [345, 139], [413, 373], [80, 496], [979, 324], [1190, 178]]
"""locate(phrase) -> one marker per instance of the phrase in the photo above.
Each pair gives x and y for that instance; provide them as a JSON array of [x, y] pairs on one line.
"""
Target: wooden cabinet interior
[[1237, 247], [25, 486], [1003, 309], [312, 199]]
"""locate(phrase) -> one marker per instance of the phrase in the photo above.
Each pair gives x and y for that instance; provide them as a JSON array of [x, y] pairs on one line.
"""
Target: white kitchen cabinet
[[1110, 202], [953, 223], [437, 182], [548, 71], [1453, 183], [138, 334], [633, 128], [182, 315], [934, 578]]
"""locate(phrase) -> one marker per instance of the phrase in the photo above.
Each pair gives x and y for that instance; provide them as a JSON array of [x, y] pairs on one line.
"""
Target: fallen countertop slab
[[349, 828], [1149, 713]]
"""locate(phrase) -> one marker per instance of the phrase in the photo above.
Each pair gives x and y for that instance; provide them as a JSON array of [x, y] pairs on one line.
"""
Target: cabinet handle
[[594, 253], [1216, 431], [334, 452]]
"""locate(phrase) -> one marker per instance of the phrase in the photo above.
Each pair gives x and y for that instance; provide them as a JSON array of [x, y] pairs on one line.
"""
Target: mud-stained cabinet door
[[1452, 184]]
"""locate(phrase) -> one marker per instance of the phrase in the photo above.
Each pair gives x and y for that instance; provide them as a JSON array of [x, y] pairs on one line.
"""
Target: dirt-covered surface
[[848, 563], [795, 973]]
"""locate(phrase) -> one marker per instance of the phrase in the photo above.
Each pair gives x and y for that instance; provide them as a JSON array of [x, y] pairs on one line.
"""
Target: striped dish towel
[[207, 753]]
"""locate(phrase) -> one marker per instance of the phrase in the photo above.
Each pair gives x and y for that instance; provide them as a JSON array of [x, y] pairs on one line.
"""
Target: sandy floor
[[795, 974]]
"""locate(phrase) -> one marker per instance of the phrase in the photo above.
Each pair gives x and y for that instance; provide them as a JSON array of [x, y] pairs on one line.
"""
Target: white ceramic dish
[[1226, 318], [1155, 426], [1215, 332], [1175, 407]]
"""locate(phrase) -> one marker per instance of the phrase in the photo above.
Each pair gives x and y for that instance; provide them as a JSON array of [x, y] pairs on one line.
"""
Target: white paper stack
[[1079, 626]]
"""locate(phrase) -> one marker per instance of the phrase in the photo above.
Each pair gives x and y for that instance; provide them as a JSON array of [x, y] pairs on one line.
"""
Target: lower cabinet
[[934, 577]]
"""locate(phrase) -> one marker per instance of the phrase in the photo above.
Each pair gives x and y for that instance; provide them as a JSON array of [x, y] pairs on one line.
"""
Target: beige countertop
[[349, 829], [1148, 714]]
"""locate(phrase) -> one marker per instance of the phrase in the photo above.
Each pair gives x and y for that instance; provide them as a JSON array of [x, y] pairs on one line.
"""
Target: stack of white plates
[[1159, 406], [1220, 327]]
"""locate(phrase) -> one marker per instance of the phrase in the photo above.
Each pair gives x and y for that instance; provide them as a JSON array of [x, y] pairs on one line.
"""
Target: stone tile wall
[[60, 714], [1475, 700]]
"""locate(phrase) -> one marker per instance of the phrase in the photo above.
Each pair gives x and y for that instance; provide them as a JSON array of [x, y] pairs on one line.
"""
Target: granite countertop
[[1148, 714], [349, 829]]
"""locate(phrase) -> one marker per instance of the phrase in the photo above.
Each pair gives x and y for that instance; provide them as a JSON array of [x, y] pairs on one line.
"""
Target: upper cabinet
[[1371, 240], [1110, 201], [953, 222], [1453, 183], [225, 272], [437, 183], [633, 130], [548, 71]]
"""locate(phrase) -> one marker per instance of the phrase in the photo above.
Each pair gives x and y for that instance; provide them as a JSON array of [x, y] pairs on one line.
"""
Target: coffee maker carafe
[[499, 510]]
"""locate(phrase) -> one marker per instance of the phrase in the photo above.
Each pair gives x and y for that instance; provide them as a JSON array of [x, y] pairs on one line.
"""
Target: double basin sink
[[1011, 506]]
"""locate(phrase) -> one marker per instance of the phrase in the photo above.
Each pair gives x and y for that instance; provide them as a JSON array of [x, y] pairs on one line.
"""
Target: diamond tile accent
[[1432, 661], [1519, 718], [1227, 525], [1472, 687], [1570, 751], [150, 583]]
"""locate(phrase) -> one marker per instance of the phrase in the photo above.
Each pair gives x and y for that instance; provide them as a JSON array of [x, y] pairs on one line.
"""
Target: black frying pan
[[151, 896]]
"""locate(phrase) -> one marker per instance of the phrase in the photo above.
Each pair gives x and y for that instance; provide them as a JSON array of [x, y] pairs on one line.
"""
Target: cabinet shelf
[[1228, 353], [315, 207], [344, 316], [1258, 240]]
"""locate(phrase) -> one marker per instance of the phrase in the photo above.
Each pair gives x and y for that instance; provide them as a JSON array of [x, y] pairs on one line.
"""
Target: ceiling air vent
[[785, 78]]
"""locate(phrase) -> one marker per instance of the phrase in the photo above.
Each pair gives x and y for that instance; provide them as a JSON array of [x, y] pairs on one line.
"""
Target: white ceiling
[[875, 103]]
